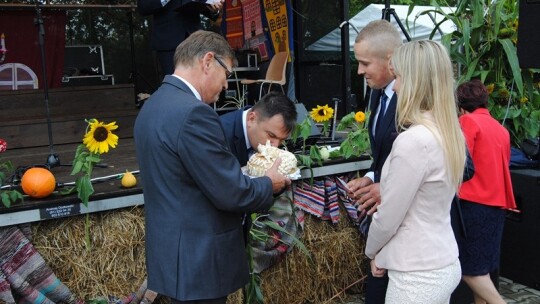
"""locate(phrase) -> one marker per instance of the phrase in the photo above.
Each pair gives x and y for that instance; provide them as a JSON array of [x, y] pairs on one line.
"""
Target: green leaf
[[5, 199], [511, 56], [84, 188]]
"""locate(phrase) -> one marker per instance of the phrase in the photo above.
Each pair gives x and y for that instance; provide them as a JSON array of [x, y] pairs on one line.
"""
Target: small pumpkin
[[129, 180], [38, 182]]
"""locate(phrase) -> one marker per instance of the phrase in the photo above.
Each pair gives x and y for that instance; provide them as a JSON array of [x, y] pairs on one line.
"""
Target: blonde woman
[[411, 236]]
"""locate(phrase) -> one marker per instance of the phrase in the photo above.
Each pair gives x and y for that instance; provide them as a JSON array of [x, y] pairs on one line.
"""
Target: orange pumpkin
[[38, 182]]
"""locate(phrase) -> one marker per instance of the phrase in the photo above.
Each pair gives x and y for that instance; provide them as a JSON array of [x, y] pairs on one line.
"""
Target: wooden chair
[[274, 75]]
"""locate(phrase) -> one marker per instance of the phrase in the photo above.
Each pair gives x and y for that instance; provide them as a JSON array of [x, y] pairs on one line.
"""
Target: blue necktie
[[382, 109]]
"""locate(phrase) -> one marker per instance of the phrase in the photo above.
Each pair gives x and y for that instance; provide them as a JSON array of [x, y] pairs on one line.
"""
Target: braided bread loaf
[[261, 161]]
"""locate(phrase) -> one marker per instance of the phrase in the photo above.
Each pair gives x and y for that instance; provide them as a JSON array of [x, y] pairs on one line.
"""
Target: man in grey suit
[[194, 190]]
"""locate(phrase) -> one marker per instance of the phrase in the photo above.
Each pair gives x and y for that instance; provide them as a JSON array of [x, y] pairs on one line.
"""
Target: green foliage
[[483, 46], [8, 196], [357, 141], [83, 163], [260, 232]]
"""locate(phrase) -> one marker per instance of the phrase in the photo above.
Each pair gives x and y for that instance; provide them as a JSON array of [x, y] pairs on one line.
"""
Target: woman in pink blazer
[[486, 196], [411, 235]]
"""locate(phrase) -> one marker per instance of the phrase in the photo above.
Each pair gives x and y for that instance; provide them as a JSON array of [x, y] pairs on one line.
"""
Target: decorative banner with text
[[276, 14]]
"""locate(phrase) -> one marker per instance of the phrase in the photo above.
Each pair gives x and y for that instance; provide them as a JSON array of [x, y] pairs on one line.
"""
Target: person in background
[[194, 190], [373, 48], [411, 234], [173, 23], [272, 118], [485, 198]]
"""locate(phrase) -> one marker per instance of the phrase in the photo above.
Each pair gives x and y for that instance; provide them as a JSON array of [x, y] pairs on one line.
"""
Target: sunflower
[[360, 117], [321, 114], [100, 137], [490, 87]]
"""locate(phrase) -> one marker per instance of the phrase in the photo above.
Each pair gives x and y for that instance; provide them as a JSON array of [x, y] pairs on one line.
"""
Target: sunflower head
[[321, 114], [490, 87], [99, 136], [360, 117]]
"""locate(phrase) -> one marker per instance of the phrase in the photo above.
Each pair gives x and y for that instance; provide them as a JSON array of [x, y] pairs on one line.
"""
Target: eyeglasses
[[228, 73]]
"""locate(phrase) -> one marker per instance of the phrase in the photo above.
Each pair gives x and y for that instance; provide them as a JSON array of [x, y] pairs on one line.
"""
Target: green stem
[[87, 232]]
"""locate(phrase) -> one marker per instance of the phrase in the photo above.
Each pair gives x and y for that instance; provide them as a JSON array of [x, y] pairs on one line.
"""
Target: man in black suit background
[[373, 48], [174, 21]]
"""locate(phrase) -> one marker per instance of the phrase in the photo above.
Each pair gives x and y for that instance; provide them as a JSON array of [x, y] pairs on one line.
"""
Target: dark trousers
[[209, 301], [375, 288], [166, 62]]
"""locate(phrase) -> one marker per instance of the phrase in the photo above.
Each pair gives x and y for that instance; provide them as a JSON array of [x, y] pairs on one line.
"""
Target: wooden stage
[[23, 125]]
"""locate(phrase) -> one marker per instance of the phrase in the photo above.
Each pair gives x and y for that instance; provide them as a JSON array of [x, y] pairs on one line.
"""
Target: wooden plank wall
[[23, 119]]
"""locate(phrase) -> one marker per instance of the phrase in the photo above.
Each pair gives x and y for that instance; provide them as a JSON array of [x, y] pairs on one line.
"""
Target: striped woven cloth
[[24, 276], [322, 198]]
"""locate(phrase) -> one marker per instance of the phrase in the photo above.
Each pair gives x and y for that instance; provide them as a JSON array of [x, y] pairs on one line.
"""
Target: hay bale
[[115, 266], [337, 262]]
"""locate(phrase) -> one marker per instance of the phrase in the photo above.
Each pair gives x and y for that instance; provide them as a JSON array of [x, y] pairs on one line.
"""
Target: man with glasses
[[194, 190]]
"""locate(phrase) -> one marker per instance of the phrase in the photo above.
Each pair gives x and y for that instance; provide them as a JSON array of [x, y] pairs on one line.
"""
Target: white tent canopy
[[419, 28]]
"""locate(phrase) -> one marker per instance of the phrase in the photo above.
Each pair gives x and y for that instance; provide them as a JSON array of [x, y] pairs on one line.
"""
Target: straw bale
[[115, 265]]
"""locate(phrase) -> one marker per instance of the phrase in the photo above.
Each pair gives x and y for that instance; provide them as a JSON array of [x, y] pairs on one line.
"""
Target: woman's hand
[[376, 271]]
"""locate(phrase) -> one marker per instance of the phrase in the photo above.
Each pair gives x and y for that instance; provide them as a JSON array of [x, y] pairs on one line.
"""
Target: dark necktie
[[380, 118], [250, 152]]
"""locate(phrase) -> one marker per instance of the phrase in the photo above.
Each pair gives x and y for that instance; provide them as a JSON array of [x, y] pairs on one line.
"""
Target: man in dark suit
[[373, 48], [272, 118], [173, 21], [194, 190]]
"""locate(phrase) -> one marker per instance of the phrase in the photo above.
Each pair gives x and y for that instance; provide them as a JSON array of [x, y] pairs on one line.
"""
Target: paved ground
[[511, 292]]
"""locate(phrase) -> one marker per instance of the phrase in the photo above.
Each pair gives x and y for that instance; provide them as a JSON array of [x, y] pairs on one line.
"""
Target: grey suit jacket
[[194, 194]]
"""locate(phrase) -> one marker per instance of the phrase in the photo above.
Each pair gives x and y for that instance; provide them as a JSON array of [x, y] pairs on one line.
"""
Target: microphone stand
[[387, 11], [52, 159]]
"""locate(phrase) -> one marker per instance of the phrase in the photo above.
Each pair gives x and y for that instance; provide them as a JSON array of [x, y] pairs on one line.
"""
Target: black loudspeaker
[[520, 248], [320, 84], [528, 43]]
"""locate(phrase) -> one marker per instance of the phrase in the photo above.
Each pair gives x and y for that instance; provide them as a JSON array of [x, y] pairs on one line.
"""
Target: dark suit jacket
[[381, 144], [172, 25], [234, 132], [194, 194]]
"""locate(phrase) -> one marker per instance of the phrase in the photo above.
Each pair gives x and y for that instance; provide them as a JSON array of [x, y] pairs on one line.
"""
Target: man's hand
[[279, 181], [366, 193], [376, 271], [370, 198], [215, 6]]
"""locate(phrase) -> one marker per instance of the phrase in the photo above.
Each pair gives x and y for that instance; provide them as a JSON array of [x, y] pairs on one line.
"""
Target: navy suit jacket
[[234, 132], [172, 25], [194, 196], [381, 144]]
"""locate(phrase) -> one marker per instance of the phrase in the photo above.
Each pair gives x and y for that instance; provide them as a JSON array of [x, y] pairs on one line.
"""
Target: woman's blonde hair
[[427, 84]]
